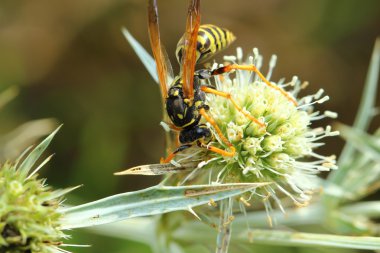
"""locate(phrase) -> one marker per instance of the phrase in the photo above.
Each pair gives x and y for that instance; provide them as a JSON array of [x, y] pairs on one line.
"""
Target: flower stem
[[224, 229]]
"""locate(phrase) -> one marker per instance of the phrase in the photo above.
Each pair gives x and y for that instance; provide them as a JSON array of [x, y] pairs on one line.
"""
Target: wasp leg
[[218, 150], [231, 153], [172, 130], [229, 97], [228, 68], [172, 155]]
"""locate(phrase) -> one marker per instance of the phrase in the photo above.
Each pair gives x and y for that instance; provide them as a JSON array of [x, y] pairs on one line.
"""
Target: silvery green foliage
[[151, 201], [29, 221], [327, 211], [32, 218]]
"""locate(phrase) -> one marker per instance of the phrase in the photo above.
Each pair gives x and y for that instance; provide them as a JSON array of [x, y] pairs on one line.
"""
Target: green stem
[[224, 229]]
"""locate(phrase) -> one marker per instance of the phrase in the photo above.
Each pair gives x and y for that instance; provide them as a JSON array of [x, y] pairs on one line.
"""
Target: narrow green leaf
[[23, 154], [145, 58], [35, 154], [59, 193], [154, 200], [364, 143], [286, 238], [42, 164], [370, 209], [364, 115], [368, 101]]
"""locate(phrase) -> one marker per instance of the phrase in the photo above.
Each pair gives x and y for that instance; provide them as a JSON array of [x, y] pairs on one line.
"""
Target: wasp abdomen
[[210, 41]]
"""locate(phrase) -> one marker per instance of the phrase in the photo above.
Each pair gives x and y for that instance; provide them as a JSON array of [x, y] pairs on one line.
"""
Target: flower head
[[282, 152], [29, 221], [29, 216]]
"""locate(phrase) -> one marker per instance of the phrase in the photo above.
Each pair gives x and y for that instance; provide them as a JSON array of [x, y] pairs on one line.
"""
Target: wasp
[[184, 96]]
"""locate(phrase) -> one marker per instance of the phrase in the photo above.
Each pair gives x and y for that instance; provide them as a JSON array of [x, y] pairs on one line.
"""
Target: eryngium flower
[[29, 217], [282, 152]]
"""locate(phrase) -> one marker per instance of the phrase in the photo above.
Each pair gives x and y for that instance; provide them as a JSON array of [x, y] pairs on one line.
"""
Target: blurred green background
[[72, 63]]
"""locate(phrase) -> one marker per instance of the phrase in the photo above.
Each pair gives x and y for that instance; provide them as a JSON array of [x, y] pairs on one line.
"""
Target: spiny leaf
[[60, 192], [154, 200], [40, 166], [35, 154]]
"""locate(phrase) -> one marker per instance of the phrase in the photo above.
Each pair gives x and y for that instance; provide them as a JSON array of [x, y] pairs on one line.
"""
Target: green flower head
[[29, 217]]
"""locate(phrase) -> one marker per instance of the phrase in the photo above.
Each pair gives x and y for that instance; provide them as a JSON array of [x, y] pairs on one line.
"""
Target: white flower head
[[283, 151]]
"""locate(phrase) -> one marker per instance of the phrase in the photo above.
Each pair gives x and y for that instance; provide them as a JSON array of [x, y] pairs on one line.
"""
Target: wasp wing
[[169, 68], [159, 169], [164, 68], [189, 54]]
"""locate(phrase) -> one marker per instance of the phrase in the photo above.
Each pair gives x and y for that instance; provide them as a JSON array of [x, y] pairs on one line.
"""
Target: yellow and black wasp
[[184, 98]]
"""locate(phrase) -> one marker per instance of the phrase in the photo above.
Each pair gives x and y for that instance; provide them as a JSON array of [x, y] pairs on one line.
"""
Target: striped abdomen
[[211, 40]]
